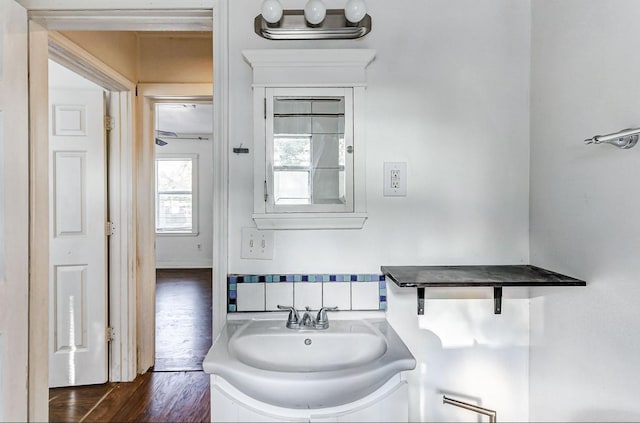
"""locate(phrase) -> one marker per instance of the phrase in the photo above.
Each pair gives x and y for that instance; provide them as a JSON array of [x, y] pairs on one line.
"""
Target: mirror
[[308, 151]]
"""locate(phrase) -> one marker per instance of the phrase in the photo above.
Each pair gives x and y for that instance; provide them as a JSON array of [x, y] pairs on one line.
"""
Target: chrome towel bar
[[625, 139], [493, 415]]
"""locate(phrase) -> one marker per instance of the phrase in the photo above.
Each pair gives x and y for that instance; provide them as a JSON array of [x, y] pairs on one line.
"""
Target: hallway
[[183, 318], [176, 389]]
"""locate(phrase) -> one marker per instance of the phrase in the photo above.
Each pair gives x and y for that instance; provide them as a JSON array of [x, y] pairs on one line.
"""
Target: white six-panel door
[[14, 212], [78, 239]]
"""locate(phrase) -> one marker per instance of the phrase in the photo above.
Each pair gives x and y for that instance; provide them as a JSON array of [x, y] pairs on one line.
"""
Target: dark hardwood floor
[[176, 389], [152, 397], [183, 318]]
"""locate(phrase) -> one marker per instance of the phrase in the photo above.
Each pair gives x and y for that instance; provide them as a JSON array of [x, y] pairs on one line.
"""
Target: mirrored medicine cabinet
[[309, 140]]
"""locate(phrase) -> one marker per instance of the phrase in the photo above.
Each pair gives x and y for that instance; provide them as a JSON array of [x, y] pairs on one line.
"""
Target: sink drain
[[307, 341]]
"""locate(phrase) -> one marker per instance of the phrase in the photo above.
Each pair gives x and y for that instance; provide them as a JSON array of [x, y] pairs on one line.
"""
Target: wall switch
[[395, 179], [257, 244]]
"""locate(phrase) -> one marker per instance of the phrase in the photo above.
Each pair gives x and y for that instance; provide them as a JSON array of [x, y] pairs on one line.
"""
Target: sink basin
[[308, 369], [269, 345]]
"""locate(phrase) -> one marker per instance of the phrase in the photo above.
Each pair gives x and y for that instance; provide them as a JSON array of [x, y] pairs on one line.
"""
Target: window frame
[[194, 192], [270, 167]]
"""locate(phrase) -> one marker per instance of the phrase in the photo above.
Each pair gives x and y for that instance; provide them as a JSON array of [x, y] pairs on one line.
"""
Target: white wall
[[62, 78], [448, 94], [190, 251], [584, 208]]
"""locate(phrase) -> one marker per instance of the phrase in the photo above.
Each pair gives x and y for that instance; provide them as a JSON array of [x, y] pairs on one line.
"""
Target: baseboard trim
[[184, 266]]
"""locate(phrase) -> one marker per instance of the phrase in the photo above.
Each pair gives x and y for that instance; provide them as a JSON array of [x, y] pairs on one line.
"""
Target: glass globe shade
[[355, 10], [315, 11], [271, 11]]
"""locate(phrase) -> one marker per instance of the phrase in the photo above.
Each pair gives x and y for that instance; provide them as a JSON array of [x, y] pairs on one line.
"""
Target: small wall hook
[[240, 150]]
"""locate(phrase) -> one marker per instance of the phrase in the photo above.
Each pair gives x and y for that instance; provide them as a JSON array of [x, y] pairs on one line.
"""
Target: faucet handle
[[322, 318], [293, 314]]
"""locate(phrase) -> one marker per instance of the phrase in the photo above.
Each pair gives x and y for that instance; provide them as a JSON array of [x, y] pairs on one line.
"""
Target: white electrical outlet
[[257, 244], [395, 179]]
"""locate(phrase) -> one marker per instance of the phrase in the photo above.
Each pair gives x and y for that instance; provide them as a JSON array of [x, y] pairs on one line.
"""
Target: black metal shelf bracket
[[497, 300]]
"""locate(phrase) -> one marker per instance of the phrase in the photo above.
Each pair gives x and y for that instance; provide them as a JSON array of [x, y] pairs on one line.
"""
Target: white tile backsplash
[[337, 294], [307, 294], [250, 293], [278, 293], [365, 296], [251, 297]]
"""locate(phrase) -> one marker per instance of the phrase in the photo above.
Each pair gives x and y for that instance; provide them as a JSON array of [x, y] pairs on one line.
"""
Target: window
[[176, 194]]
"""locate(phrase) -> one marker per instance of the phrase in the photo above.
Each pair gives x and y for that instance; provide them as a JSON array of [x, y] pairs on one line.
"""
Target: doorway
[[184, 310], [183, 233], [122, 301], [128, 164]]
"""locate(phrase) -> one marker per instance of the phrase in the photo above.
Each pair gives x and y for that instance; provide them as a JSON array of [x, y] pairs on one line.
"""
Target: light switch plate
[[257, 244], [395, 179]]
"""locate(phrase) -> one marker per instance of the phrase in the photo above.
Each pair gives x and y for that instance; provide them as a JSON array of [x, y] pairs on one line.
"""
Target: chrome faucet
[[321, 321], [307, 321]]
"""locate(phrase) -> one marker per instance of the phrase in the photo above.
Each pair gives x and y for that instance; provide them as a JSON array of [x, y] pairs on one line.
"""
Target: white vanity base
[[389, 403]]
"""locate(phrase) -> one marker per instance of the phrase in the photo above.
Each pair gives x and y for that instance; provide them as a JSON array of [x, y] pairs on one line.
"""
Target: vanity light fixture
[[355, 11], [272, 11], [315, 12], [314, 22]]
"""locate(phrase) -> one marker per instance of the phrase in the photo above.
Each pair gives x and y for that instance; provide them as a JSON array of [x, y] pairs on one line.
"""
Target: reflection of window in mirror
[[309, 150]]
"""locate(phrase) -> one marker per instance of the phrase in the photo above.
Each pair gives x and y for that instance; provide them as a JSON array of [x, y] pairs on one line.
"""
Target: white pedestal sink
[[299, 374], [269, 345]]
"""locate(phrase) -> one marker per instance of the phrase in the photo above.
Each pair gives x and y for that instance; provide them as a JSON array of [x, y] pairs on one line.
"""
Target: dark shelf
[[495, 277]]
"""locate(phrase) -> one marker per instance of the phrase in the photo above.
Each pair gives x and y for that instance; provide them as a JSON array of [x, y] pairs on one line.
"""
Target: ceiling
[[185, 118]]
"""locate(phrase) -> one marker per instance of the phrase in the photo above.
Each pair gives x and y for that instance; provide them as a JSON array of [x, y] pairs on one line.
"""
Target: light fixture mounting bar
[[293, 26]]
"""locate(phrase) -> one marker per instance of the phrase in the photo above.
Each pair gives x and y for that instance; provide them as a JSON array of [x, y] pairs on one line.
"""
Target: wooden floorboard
[[183, 318], [72, 404], [115, 401], [176, 390]]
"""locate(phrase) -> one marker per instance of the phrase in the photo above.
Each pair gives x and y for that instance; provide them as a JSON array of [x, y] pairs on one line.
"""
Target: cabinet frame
[[310, 68]]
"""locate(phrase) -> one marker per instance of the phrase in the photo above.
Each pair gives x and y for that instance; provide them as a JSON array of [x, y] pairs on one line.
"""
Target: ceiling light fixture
[[314, 22]]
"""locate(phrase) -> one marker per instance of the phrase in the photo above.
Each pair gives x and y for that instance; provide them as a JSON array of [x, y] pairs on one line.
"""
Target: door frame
[[148, 96], [108, 15]]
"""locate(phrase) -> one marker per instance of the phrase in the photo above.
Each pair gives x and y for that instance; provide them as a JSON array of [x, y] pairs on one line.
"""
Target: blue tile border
[[302, 277], [234, 279]]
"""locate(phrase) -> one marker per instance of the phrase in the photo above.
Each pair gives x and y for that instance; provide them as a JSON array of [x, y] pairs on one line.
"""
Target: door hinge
[[264, 108], [266, 193], [109, 123], [110, 228], [111, 334]]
